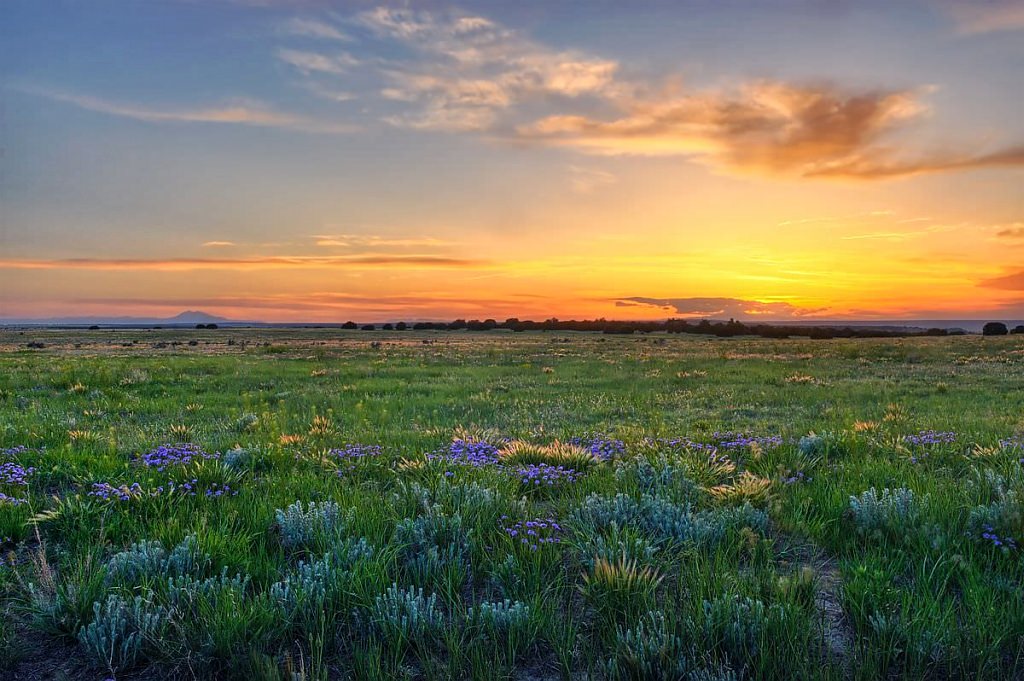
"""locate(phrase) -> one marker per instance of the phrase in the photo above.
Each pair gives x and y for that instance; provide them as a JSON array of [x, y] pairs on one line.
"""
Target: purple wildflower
[[600, 446], [15, 474], [534, 533], [926, 438], [467, 453], [176, 454], [543, 475]]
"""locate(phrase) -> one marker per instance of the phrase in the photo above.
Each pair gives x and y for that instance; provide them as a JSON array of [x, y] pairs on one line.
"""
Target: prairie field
[[316, 504]]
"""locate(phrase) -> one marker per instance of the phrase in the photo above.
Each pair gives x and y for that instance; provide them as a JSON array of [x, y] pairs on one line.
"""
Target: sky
[[306, 160]]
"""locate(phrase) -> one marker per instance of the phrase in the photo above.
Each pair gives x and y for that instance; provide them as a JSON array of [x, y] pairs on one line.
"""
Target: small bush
[[434, 549], [894, 510], [312, 526], [404, 617], [148, 560], [649, 651], [120, 632], [737, 625], [616, 589]]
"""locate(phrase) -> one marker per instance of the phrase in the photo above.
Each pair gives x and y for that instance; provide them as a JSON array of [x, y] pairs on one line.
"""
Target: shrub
[[893, 511], [244, 459], [148, 560], [433, 549], [662, 477], [306, 591], [402, 617], [745, 489], [660, 521], [556, 454], [187, 594], [1000, 524], [311, 526], [502, 621], [626, 544], [120, 631], [737, 625], [246, 421], [619, 588], [649, 651], [994, 329]]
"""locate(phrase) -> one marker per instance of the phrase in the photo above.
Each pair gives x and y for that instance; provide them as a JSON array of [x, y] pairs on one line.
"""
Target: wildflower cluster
[[927, 438], [731, 440], [467, 452], [600, 446], [543, 475], [533, 533], [173, 455], [15, 474], [15, 450], [1014, 443], [678, 443], [107, 492], [989, 534], [351, 452], [190, 488]]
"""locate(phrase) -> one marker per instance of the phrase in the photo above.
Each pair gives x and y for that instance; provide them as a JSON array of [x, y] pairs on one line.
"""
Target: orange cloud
[[1010, 282], [880, 168], [766, 127]]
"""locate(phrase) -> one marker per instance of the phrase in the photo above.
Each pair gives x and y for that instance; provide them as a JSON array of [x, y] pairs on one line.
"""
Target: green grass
[[669, 562]]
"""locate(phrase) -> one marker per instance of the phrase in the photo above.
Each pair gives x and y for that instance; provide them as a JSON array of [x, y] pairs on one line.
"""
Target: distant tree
[[212, 326], [350, 325], [94, 327], [994, 329], [388, 327], [401, 326], [1018, 329], [368, 327]]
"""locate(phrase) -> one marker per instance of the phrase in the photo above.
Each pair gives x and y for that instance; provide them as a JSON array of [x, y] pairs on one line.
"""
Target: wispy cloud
[[239, 113], [315, 62], [722, 307], [469, 68], [588, 180], [986, 16], [218, 244], [413, 261], [373, 241], [880, 166], [314, 28], [313, 301]]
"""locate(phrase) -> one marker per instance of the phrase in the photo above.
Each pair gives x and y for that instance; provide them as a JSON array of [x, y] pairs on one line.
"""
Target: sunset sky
[[324, 161]]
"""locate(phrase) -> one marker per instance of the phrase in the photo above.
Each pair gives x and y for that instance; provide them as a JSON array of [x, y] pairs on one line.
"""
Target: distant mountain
[[196, 317], [186, 318]]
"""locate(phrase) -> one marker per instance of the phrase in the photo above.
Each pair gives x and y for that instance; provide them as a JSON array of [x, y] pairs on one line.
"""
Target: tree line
[[722, 329]]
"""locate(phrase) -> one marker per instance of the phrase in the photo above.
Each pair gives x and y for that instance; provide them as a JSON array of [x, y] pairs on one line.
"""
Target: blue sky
[[438, 159]]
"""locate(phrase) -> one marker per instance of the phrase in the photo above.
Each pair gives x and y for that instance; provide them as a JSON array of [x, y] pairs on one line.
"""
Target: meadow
[[321, 504]]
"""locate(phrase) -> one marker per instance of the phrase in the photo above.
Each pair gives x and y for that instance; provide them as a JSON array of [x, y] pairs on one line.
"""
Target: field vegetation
[[323, 504]]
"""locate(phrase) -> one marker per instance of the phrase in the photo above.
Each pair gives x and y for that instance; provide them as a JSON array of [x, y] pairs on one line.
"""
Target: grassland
[[455, 505]]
